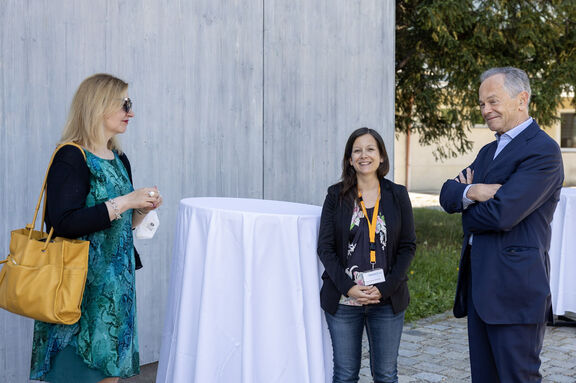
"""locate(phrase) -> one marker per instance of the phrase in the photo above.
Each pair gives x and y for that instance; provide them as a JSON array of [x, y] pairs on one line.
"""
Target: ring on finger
[[151, 194]]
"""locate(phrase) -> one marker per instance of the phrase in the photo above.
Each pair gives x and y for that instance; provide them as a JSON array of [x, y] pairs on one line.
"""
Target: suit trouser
[[503, 353]]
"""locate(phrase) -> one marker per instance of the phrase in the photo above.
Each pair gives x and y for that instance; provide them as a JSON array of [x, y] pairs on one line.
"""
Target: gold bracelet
[[115, 209]]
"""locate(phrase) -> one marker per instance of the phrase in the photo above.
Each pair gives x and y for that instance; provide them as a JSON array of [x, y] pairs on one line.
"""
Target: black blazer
[[67, 186], [333, 244]]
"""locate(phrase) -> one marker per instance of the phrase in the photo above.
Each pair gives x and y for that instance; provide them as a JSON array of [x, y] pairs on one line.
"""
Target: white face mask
[[148, 226]]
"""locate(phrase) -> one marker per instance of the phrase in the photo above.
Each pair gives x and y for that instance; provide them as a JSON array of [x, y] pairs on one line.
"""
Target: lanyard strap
[[371, 225]]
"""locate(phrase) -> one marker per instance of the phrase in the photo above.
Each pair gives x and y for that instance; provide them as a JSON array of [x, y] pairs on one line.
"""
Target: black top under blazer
[[333, 245], [67, 186]]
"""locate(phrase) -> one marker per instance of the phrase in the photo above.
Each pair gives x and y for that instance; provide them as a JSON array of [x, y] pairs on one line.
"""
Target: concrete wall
[[232, 98], [328, 71]]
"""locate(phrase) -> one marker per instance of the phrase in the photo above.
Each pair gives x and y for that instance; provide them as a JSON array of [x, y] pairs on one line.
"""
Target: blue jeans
[[384, 330]]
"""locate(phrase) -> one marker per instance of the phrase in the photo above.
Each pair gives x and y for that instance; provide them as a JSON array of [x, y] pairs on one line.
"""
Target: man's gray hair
[[515, 80]]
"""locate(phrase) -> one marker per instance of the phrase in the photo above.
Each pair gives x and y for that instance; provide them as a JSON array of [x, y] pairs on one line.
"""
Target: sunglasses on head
[[127, 106]]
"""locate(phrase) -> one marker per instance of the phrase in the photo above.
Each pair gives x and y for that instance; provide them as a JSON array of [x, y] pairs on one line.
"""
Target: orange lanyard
[[371, 225]]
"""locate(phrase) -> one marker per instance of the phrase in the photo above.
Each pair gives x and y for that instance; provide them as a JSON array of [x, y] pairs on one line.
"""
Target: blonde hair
[[97, 96]]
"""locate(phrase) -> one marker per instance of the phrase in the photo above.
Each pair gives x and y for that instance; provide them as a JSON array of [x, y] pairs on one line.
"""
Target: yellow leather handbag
[[44, 277]]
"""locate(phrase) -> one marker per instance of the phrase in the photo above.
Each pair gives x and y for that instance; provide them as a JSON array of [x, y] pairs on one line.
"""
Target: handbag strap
[[43, 193]]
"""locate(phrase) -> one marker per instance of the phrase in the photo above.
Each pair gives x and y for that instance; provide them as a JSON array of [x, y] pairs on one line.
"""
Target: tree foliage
[[442, 47]]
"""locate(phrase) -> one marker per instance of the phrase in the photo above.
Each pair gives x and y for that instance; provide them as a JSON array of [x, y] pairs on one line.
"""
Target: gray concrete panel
[[232, 98], [329, 69]]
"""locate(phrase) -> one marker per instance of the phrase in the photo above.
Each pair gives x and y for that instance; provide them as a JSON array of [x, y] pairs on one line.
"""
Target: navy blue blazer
[[333, 245], [509, 260]]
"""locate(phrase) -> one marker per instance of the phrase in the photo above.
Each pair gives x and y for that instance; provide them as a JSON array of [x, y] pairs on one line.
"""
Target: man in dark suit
[[507, 198]]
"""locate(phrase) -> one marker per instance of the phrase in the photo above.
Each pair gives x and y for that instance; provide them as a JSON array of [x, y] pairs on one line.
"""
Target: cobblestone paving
[[435, 349]]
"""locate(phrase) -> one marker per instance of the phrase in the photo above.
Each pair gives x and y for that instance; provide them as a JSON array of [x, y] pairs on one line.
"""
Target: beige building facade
[[416, 167]]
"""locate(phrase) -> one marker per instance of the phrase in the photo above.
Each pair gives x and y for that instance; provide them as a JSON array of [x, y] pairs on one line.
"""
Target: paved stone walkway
[[435, 349]]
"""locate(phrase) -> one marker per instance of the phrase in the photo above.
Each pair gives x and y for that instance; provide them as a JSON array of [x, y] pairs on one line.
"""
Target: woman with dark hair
[[366, 244]]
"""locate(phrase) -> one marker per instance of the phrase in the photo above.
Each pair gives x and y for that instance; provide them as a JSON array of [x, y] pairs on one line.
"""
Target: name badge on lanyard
[[367, 278], [376, 275]]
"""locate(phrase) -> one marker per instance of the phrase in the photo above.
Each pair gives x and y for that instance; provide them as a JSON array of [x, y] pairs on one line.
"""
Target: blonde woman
[[94, 199]]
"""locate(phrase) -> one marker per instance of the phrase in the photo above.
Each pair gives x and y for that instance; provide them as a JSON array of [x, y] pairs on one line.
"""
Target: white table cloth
[[243, 302], [563, 254]]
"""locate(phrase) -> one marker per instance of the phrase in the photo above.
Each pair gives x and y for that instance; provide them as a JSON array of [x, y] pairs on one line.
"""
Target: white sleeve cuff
[[465, 200]]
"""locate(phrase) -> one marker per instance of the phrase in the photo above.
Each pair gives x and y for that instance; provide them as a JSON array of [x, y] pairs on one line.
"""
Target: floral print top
[[358, 256]]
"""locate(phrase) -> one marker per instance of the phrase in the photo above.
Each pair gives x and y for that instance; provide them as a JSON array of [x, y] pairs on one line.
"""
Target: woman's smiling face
[[365, 157]]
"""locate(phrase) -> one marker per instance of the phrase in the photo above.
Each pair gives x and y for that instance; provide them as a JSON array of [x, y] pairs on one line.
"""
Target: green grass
[[434, 270]]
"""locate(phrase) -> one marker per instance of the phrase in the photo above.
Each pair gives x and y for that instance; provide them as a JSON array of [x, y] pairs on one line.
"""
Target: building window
[[567, 130]]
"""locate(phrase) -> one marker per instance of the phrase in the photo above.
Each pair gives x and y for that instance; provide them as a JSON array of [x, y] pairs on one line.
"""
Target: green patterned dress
[[104, 342]]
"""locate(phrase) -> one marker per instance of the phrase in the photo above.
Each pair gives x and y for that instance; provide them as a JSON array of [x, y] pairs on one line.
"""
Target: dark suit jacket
[[509, 260], [67, 186], [333, 245]]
